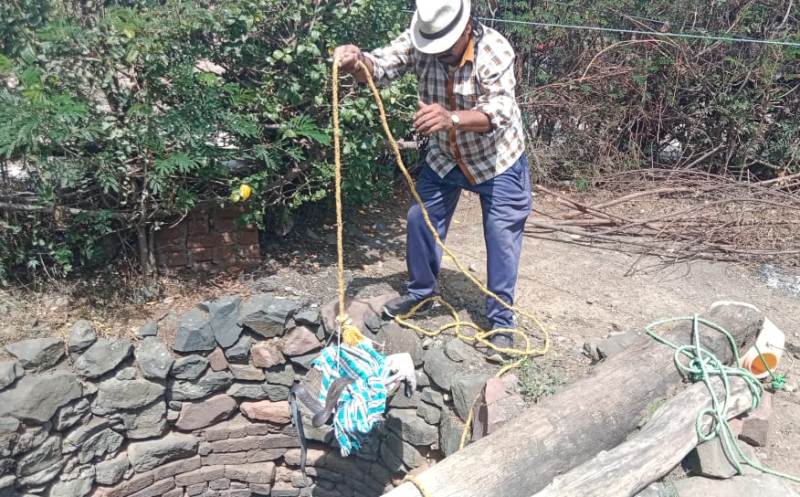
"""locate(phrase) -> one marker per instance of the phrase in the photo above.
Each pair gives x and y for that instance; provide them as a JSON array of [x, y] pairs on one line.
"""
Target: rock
[[373, 323], [396, 453], [755, 425], [431, 414], [27, 438], [615, 344], [410, 427], [104, 442], [37, 397], [114, 394], [265, 410], [591, 351], [304, 361], [400, 401], [249, 392], [275, 393], [223, 315], [149, 329], [432, 397], [154, 359], [151, 454], [217, 360], [709, 459], [111, 472], [399, 339], [40, 477], [74, 440], [211, 382], [267, 354], [246, 372], [266, 315], [281, 375], [654, 490], [457, 350], [440, 368], [190, 367], [300, 341], [499, 406], [147, 422], [450, 431], [126, 374], [9, 372], [201, 414], [103, 356], [240, 352], [42, 457], [422, 380], [81, 486], [194, 333], [739, 486], [9, 434], [37, 353], [466, 389], [307, 317], [81, 336]]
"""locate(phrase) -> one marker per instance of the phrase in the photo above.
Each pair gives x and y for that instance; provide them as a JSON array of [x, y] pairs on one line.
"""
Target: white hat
[[438, 24]]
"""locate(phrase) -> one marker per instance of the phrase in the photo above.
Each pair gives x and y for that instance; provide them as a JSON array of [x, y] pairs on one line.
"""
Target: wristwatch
[[456, 120]]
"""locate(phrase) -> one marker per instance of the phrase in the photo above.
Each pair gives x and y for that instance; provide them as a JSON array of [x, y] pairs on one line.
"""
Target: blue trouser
[[505, 201]]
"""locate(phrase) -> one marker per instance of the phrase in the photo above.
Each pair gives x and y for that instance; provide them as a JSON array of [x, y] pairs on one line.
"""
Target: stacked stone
[[208, 415]]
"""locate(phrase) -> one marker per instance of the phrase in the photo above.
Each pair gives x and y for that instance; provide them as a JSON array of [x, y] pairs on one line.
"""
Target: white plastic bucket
[[771, 342]]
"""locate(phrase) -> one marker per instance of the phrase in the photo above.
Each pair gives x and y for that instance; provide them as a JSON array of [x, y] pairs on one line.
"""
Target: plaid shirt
[[483, 81]]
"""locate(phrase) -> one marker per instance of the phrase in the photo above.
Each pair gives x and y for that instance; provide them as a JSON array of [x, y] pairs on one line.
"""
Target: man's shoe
[[399, 306], [501, 341]]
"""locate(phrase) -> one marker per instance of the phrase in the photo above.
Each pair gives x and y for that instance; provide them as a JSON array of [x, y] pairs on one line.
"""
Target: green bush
[[125, 114]]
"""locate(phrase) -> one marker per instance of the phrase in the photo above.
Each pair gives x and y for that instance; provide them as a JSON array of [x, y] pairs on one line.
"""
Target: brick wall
[[210, 238]]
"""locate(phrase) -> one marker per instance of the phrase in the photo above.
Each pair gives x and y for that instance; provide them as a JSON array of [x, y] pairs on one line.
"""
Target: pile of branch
[[679, 215]]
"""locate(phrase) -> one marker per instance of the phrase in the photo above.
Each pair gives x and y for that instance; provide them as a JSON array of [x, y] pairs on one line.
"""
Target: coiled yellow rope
[[351, 334]]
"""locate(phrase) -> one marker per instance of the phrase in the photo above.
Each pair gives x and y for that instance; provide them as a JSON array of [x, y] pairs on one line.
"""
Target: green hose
[[700, 364]]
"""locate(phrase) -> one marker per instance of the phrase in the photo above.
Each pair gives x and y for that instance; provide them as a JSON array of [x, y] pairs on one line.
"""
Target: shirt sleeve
[[497, 84], [392, 61]]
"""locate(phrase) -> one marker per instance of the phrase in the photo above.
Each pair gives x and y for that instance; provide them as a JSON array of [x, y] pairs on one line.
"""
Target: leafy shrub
[[125, 114]]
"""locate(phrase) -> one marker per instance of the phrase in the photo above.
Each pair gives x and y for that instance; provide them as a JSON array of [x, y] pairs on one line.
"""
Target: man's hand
[[432, 118], [349, 56]]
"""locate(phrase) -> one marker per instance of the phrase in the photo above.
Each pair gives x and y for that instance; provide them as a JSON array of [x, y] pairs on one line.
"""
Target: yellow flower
[[245, 191]]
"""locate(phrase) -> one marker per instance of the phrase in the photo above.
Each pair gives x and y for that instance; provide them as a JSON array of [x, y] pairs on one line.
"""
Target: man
[[468, 108]]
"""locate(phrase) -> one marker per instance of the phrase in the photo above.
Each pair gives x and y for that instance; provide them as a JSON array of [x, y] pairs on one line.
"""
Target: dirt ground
[[578, 292]]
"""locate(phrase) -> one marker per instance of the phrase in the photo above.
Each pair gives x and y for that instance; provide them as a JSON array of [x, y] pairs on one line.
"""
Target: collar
[[469, 53]]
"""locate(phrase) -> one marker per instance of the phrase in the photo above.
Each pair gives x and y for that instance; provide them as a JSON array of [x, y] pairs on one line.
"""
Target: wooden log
[[651, 453], [593, 414]]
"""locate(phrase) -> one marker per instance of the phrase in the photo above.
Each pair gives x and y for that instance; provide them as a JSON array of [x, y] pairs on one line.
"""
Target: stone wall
[[210, 238], [202, 410]]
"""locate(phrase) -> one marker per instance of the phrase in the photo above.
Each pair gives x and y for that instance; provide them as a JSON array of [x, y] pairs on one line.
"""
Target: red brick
[[209, 240], [196, 489], [220, 484], [173, 259], [125, 489], [249, 252], [174, 468], [201, 255], [204, 474], [230, 212], [236, 445], [225, 458], [225, 255], [251, 473], [248, 237], [170, 236], [157, 489], [263, 455], [279, 441]]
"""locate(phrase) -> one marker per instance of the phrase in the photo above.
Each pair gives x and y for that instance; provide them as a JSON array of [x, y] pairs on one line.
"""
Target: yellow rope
[[478, 334], [420, 487]]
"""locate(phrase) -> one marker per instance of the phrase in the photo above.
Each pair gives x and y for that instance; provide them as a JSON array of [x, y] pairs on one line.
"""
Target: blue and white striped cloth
[[361, 405]]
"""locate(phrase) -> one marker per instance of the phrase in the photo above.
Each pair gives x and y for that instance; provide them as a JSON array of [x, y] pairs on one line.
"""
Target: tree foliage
[[122, 113]]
